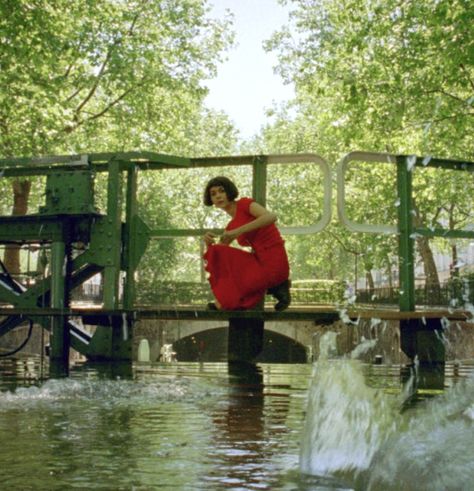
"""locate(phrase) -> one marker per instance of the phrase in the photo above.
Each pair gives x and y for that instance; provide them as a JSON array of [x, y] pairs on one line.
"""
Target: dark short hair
[[229, 187]]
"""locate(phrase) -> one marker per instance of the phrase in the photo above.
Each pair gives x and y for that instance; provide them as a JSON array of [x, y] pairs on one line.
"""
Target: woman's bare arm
[[263, 217]]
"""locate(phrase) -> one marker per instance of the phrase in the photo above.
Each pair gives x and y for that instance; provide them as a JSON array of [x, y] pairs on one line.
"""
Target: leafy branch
[[102, 69]]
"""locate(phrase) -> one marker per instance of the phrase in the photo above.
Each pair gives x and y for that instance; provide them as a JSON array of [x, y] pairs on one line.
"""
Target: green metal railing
[[405, 228], [116, 241], [259, 164]]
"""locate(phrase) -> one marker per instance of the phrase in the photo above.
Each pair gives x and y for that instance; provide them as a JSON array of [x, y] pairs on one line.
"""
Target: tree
[[392, 76], [73, 70], [101, 75]]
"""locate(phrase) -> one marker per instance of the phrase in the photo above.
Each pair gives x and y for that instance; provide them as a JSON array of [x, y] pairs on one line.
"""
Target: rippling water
[[335, 425]]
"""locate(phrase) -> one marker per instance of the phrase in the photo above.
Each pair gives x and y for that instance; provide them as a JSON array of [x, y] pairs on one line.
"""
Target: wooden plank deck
[[321, 313]]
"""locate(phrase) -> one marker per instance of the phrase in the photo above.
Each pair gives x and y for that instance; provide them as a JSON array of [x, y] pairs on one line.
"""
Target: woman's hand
[[228, 236], [209, 238]]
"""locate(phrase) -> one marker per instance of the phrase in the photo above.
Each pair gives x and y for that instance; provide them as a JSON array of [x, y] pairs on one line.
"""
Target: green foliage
[[174, 293], [384, 75], [104, 75], [101, 75], [307, 292], [461, 290], [378, 76], [194, 293]]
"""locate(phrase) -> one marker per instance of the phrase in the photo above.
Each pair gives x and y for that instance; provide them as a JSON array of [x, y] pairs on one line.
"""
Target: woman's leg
[[235, 276]]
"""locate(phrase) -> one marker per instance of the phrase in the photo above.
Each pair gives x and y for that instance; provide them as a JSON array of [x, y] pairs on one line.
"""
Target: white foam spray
[[346, 421], [358, 433]]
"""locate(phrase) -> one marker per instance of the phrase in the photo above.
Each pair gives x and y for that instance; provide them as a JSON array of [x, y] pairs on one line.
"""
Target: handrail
[[264, 160], [405, 229], [410, 161], [341, 170], [97, 162], [327, 186]]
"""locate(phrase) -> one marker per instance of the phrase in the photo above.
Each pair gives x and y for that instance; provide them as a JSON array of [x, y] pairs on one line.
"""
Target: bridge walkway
[[324, 313]]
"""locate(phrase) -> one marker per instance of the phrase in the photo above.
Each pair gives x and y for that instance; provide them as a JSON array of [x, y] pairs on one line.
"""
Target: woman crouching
[[239, 279]]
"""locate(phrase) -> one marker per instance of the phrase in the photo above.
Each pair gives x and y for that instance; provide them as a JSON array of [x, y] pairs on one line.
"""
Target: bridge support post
[[60, 338], [423, 340], [113, 338], [419, 339], [122, 338], [406, 242], [245, 340]]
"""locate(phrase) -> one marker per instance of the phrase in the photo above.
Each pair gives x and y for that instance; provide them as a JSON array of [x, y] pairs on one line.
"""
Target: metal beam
[[405, 240], [60, 337], [113, 238]]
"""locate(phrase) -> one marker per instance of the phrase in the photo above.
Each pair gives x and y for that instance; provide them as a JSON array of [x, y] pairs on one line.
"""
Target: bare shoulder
[[257, 210]]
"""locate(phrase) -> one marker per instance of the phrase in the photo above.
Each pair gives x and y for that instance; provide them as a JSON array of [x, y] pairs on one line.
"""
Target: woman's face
[[218, 196]]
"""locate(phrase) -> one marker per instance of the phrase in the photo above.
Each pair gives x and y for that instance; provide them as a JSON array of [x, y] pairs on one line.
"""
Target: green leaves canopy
[[380, 76], [101, 74], [396, 76]]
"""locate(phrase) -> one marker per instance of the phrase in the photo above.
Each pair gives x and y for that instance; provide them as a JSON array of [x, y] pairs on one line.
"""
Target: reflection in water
[[248, 432], [185, 426], [243, 418], [108, 370]]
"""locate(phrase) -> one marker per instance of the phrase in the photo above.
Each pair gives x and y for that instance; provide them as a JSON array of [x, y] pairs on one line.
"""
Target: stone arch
[[203, 340], [211, 345]]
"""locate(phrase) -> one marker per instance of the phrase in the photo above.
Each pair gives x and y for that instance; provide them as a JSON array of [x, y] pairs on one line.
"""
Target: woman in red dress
[[239, 279]]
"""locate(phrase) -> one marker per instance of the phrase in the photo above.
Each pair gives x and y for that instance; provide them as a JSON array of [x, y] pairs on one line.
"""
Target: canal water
[[333, 425]]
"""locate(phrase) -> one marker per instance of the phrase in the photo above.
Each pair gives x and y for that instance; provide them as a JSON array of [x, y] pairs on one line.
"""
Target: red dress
[[239, 279]]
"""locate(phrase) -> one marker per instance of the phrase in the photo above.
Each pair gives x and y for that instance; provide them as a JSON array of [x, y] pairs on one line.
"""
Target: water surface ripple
[[333, 426]]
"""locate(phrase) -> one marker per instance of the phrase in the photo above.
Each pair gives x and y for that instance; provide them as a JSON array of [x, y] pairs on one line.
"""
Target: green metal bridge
[[114, 242]]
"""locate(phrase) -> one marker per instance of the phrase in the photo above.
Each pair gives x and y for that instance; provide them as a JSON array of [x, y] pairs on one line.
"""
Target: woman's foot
[[214, 306], [282, 293]]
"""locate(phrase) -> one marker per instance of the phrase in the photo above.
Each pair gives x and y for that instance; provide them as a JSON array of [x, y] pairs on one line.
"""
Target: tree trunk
[[330, 271], [429, 265], [433, 286], [370, 281], [21, 193], [389, 274], [454, 269]]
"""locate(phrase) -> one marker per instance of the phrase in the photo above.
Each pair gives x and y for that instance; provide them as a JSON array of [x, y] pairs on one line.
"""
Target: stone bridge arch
[[304, 334], [298, 336]]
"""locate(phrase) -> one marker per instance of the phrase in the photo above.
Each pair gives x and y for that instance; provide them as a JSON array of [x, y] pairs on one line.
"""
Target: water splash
[[346, 421], [469, 412], [344, 316], [363, 347], [433, 450], [426, 160], [106, 392], [358, 434], [328, 345], [411, 161]]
